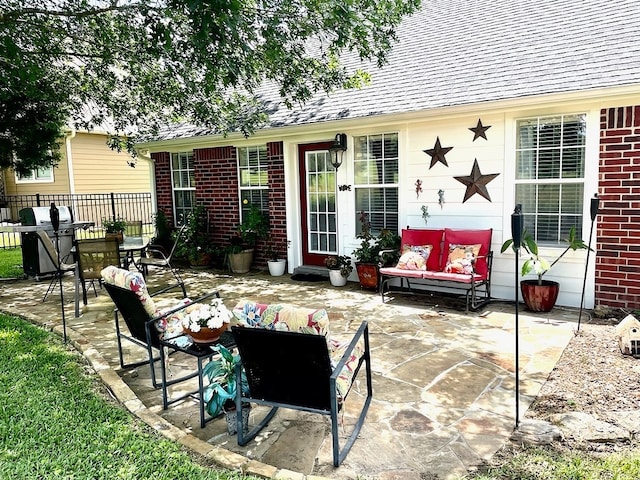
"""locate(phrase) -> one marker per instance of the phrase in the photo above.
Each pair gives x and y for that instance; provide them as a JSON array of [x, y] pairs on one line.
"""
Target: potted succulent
[[220, 394], [114, 227], [253, 228], [538, 294], [276, 259], [339, 269]]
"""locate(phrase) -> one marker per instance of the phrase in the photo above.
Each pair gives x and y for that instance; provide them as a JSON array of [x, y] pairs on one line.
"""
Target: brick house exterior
[[618, 227], [528, 65]]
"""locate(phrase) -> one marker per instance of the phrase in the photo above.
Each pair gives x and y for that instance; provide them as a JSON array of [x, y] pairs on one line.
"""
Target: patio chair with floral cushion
[[291, 361], [147, 324]]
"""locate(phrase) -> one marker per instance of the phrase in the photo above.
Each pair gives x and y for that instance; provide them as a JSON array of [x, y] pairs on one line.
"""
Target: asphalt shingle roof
[[457, 52]]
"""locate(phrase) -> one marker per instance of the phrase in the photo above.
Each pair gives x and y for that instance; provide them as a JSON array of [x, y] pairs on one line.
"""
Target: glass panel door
[[321, 203]]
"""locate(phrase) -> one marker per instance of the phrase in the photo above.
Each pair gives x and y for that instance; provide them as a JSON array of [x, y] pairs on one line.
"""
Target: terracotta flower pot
[[368, 275], [206, 335], [539, 297]]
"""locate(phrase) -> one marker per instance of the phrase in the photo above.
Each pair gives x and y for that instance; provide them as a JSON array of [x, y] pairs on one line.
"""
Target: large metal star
[[476, 182], [479, 130], [437, 153]]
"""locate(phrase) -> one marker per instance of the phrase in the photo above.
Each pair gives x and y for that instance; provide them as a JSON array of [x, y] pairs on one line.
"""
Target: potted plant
[[220, 394], [368, 255], [276, 259], [540, 295], [253, 228], [339, 269], [205, 322], [114, 227], [195, 245]]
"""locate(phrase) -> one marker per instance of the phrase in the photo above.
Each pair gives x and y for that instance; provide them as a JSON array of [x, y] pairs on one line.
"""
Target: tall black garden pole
[[54, 214], [516, 235], [593, 210]]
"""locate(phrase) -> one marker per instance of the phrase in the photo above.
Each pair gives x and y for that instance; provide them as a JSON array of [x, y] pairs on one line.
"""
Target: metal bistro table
[[129, 247], [201, 351]]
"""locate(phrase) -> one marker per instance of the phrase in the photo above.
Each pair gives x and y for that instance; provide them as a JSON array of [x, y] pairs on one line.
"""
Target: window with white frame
[[184, 185], [376, 181], [41, 174], [253, 178], [550, 165]]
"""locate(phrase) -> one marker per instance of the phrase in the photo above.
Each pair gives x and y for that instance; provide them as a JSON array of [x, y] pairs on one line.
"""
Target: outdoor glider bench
[[448, 258], [291, 361]]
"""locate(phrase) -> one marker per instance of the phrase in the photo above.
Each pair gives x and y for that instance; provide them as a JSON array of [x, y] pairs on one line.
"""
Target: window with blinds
[[253, 178], [550, 156], [376, 181], [183, 182]]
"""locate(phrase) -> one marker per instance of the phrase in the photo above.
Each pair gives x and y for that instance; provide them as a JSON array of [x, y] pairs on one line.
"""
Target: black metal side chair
[[294, 370], [156, 257]]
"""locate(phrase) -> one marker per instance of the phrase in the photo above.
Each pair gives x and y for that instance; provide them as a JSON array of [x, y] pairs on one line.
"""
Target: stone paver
[[444, 390]]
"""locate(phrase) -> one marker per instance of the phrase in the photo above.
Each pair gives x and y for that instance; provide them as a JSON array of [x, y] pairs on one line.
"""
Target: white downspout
[[144, 155], [67, 142]]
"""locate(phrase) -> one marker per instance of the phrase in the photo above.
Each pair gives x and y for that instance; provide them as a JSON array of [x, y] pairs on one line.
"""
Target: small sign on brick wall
[[628, 335]]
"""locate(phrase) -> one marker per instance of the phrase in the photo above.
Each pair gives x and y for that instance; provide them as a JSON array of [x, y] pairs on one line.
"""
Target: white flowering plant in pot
[[214, 315]]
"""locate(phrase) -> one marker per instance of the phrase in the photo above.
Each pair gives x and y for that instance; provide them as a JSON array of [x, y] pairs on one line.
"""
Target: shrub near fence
[[87, 207]]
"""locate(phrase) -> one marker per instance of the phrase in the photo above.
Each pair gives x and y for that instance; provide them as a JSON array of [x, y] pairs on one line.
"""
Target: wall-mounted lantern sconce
[[337, 149]]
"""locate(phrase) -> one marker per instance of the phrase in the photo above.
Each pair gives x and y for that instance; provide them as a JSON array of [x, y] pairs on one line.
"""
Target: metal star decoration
[[479, 130], [437, 153], [476, 182]]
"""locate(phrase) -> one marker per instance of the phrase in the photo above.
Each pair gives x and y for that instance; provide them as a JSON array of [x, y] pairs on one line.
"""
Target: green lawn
[[55, 423], [11, 263]]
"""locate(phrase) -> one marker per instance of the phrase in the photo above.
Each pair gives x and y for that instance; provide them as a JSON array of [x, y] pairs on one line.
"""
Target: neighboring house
[[483, 105], [87, 166]]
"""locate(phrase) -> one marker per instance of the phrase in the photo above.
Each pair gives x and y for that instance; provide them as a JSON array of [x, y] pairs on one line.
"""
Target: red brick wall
[[618, 225], [277, 204], [217, 189], [163, 183]]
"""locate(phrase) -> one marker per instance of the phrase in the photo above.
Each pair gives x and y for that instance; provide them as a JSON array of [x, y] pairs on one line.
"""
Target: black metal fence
[[88, 207]]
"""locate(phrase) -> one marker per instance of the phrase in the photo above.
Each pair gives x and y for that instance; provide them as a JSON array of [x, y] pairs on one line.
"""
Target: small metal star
[[437, 153], [476, 182], [479, 130]]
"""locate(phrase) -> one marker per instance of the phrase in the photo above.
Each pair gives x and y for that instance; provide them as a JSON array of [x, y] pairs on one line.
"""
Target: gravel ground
[[592, 376]]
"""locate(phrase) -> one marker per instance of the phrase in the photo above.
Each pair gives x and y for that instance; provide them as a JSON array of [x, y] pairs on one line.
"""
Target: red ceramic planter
[[539, 297]]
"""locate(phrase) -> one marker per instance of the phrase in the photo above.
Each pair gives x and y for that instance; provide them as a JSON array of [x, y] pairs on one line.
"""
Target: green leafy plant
[[114, 225], [371, 246], [162, 235], [221, 392], [368, 250], [339, 262], [254, 227], [535, 263], [195, 241], [388, 247]]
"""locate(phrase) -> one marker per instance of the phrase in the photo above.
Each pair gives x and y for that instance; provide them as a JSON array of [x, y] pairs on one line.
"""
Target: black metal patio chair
[[136, 307], [155, 256], [294, 370]]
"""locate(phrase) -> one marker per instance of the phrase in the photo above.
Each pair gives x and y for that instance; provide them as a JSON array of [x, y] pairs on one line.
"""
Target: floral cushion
[[414, 257], [169, 326], [345, 377], [131, 281], [280, 316], [462, 258], [303, 320]]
